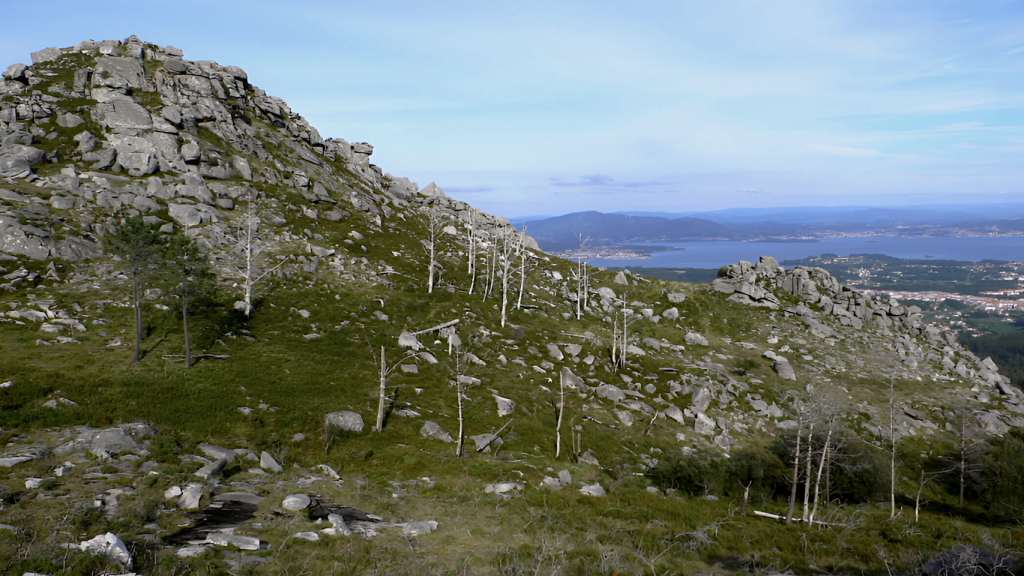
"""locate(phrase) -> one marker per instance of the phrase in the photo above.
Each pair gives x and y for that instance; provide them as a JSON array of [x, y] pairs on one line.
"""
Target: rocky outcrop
[[176, 128], [825, 305]]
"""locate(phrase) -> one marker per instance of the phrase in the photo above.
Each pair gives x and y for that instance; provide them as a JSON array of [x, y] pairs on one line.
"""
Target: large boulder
[[113, 441], [46, 55], [31, 155], [610, 392], [695, 339], [15, 239], [506, 406], [16, 72], [784, 369], [14, 167], [434, 430], [343, 421], [185, 215]]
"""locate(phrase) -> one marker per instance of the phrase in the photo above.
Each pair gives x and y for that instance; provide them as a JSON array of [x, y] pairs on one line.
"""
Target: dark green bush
[[1003, 468], [702, 471]]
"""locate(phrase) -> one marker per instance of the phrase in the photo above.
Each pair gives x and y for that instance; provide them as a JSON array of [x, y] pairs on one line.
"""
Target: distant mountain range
[[779, 224]]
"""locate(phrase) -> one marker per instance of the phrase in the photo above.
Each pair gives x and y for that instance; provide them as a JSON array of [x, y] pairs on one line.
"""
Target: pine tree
[[138, 246], [188, 266]]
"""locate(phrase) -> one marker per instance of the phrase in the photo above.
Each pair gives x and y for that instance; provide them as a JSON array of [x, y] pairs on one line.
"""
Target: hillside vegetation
[[611, 423]]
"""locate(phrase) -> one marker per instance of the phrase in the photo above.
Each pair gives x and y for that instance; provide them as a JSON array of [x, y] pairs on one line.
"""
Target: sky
[[528, 108]]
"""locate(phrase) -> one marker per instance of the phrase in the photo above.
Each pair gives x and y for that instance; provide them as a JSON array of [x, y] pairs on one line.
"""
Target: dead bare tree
[[807, 470], [969, 445], [491, 258], [821, 467], [461, 383], [579, 280], [796, 476], [511, 246], [524, 255], [249, 239], [801, 422], [566, 379], [435, 224], [385, 374], [471, 250], [620, 337], [892, 447], [582, 278]]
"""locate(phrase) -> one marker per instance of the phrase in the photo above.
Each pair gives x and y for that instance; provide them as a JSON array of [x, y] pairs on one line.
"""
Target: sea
[[718, 254]]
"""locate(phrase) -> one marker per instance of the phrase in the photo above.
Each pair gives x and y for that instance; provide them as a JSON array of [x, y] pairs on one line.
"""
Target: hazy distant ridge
[[778, 224]]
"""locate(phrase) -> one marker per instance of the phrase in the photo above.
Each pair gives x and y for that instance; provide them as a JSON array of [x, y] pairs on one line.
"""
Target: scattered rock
[[240, 542], [784, 369], [502, 488], [296, 502], [267, 462], [418, 528], [113, 441], [190, 497], [213, 469], [434, 430], [695, 339], [505, 405], [108, 545]]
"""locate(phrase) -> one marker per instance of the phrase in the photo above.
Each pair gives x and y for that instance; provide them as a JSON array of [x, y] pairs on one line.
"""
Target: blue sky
[[527, 108]]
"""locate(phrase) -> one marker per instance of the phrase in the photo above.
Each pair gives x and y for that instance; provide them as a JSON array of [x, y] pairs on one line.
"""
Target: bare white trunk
[[615, 340], [796, 477], [493, 269], [472, 253], [810, 465], [817, 483], [249, 217], [917, 499], [586, 287], [561, 412], [382, 393], [462, 421], [430, 270], [892, 453], [625, 337]]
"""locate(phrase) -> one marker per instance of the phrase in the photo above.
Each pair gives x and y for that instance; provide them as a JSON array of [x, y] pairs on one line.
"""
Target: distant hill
[[616, 228], [562, 232]]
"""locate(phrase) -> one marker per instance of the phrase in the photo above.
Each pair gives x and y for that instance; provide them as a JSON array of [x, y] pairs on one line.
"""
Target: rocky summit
[[376, 377]]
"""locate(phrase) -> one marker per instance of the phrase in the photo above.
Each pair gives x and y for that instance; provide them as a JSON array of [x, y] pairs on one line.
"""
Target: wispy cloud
[[752, 191], [603, 181], [953, 105], [468, 189], [847, 151]]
